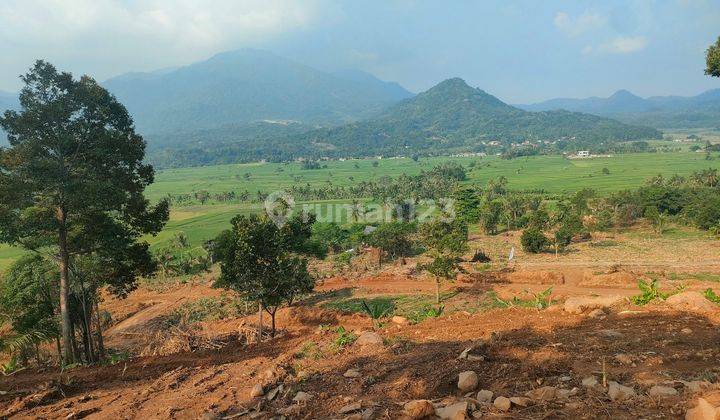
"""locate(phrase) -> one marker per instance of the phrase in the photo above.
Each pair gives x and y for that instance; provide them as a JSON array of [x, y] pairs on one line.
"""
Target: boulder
[[662, 391], [467, 381], [618, 392], [369, 338], [580, 304], [502, 403], [691, 301], [484, 396], [352, 373], [546, 393], [418, 409], [457, 411]]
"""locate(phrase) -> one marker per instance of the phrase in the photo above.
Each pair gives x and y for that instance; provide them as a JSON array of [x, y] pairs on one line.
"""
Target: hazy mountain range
[[247, 86], [702, 110]]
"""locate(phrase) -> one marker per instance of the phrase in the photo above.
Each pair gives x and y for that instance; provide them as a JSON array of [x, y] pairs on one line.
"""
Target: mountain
[[702, 110], [245, 86], [448, 118]]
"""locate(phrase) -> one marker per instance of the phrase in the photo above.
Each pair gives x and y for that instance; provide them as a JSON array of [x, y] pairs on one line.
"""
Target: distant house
[[583, 153]]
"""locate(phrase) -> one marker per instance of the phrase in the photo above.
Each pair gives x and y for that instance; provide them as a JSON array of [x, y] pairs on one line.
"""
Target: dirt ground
[[514, 350]]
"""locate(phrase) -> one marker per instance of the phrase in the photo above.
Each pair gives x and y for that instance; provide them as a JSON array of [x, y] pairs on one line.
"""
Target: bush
[[534, 241], [394, 239]]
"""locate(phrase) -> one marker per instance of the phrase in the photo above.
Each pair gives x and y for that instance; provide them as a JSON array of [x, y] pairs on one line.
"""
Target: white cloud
[[113, 36], [574, 26], [624, 45]]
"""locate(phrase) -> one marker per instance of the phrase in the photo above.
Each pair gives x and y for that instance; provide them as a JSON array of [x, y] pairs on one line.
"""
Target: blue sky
[[521, 51]]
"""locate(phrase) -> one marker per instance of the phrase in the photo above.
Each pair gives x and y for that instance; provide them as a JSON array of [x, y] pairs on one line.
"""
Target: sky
[[520, 51]]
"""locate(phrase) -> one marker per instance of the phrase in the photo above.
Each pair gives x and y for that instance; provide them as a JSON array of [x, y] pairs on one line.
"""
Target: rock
[[612, 334], [369, 338], [467, 381], [302, 375], [273, 393], [693, 301], [686, 331], [209, 416], [624, 359], [662, 391], [257, 391], [546, 393], [484, 396], [521, 401], [565, 378], [696, 386], [703, 410], [418, 409], [502, 403], [597, 313], [457, 411], [580, 304], [618, 392], [350, 408], [400, 320], [352, 373], [302, 397], [565, 393], [589, 382]]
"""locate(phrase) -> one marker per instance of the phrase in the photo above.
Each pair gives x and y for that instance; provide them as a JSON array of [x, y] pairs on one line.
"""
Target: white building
[[583, 153]]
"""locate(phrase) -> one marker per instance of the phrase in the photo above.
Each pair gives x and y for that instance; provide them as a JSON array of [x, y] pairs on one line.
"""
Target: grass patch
[[541, 300], [205, 309]]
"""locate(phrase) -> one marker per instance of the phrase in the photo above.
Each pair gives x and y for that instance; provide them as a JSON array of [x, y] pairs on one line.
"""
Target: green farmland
[[550, 173]]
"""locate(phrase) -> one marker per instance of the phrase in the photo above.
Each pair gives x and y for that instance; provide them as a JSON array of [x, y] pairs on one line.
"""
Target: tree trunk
[[260, 322], [66, 325], [272, 318], [101, 344], [437, 290]]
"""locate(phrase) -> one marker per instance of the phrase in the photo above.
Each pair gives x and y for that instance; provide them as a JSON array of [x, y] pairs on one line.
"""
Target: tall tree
[[72, 180], [445, 241], [712, 59]]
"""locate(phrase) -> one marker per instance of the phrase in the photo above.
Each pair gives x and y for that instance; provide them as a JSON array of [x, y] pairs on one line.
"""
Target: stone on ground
[[580, 304], [521, 401], [257, 391], [484, 396], [546, 393], [502, 403], [662, 391], [693, 301], [302, 397], [467, 381], [589, 382], [369, 338], [350, 408], [418, 409], [400, 320], [455, 411], [619, 392], [352, 373]]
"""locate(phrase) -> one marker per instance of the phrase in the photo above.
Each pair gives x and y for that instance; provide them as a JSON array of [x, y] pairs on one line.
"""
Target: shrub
[[534, 241], [394, 239]]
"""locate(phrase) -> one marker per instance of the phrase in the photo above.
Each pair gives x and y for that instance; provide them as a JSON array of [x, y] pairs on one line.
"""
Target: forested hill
[[247, 86], [450, 117]]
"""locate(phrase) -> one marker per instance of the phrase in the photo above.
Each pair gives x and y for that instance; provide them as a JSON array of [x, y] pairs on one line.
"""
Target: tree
[[72, 180], [445, 241], [533, 240], [262, 261], [491, 214], [394, 239], [712, 59]]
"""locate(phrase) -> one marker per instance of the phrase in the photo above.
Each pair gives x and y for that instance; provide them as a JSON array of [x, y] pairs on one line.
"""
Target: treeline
[[438, 182]]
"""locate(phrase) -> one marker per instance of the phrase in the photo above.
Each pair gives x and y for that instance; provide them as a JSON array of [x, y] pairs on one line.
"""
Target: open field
[[549, 173]]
